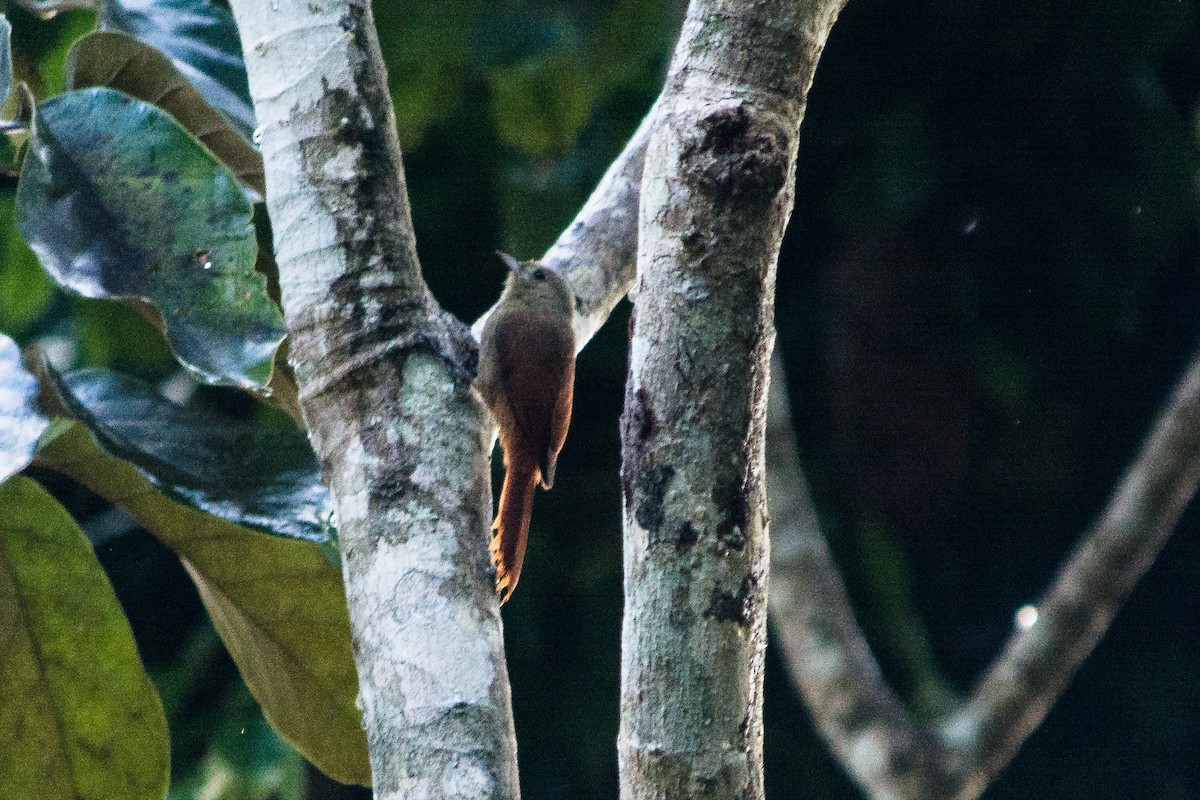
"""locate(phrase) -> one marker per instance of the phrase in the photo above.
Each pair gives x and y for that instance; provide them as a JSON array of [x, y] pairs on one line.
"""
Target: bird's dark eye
[[539, 274]]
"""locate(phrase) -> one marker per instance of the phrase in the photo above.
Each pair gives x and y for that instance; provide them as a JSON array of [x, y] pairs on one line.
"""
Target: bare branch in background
[[1038, 661], [870, 732], [885, 751]]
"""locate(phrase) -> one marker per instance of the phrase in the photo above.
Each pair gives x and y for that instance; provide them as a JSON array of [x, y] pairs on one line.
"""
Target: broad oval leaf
[[112, 59], [20, 421], [119, 201], [201, 37], [277, 603], [80, 717], [263, 478]]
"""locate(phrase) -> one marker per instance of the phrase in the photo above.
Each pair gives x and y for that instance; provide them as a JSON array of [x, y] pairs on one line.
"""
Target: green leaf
[[277, 603], [6, 71], [107, 58], [115, 336], [80, 718], [25, 288], [118, 201], [201, 37], [264, 478], [20, 421]]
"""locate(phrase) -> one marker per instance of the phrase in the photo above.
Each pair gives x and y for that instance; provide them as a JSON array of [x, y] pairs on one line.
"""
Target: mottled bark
[[716, 195], [384, 378]]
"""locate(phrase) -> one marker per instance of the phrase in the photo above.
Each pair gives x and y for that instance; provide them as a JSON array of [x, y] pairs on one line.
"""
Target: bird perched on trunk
[[526, 377]]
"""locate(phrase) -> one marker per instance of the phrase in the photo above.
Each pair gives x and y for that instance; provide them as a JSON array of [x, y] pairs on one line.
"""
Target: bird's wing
[[536, 370]]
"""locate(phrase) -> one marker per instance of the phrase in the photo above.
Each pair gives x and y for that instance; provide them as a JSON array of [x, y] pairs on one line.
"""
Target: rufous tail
[[512, 525]]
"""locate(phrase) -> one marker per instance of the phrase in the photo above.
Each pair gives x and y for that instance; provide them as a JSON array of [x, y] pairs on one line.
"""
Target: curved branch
[[825, 652], [1036, 664], [886, 752]]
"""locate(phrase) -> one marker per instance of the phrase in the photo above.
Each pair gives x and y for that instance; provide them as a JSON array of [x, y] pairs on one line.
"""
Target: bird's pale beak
[[510, 262]]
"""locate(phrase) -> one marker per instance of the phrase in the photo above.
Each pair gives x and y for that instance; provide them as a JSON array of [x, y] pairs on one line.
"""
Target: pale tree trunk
[[384, 381], [716, 195]]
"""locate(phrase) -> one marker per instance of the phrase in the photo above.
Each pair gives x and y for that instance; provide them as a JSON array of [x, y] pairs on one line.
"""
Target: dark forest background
[[989, 285]]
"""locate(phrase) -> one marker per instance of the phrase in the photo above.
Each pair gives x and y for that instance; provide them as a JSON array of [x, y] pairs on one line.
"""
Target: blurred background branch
[[1052, 638], [888, 752]]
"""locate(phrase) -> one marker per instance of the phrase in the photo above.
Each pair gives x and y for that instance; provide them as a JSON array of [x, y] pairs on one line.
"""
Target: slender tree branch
[[598, 251], [384, 376], [887, 754], [1017, 691], [868, 729], [716, 195]]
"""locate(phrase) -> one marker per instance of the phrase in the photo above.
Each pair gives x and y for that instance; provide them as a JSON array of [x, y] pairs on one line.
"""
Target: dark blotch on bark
[[733, 503], [638, 426], [680, 614], [745, 155], [728, 607], [650, 486], [643, 422], [695, 243], [393, 481], [686, 535]]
